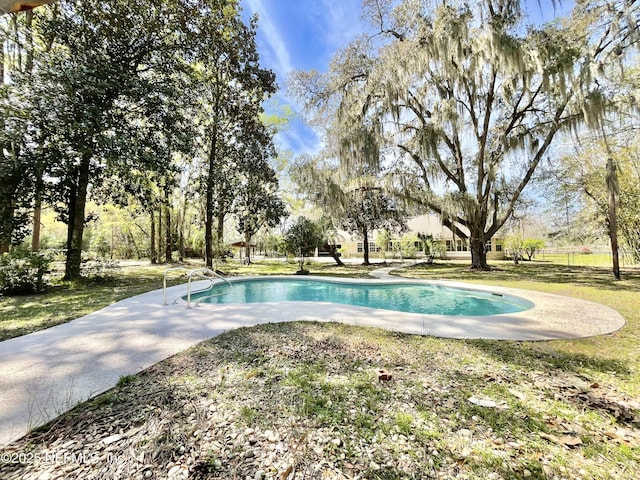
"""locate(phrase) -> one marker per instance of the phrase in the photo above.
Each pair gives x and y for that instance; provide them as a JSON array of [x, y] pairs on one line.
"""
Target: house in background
[[452, 247]]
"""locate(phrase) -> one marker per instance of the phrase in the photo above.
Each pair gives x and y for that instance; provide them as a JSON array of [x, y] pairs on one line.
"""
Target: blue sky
[[302, 35], [305, 34]]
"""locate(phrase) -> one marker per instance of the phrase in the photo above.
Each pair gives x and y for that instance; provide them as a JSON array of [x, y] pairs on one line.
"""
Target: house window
[[487, 246], [498, 244], [373, 248], [461, 245], [449, 245]]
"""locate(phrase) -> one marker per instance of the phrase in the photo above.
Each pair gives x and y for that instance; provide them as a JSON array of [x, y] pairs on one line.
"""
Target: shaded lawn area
[[302, 401]]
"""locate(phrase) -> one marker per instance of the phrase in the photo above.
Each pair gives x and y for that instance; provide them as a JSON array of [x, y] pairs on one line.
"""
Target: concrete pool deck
[[48, 372]]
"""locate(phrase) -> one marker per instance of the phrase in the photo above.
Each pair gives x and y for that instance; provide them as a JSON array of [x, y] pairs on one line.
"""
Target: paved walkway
[[48, 372]]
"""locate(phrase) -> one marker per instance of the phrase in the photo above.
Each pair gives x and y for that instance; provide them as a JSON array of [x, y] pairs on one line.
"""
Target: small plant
[[404, 423], [585, 250], [248, 414], [532, 246], [406, 246], [125, 380]]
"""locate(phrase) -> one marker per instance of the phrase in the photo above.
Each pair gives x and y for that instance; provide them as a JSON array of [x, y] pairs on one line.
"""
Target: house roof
[[241, 244]]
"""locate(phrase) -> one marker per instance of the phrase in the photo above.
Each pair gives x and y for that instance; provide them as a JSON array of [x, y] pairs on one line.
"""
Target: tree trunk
[[2, 42], [159, 236], [181, 252], [208, 230], [220, 231], [478, 250], [334, 254], [168, 253], [152, 244], [6, 175], [7, 205], [132, 240], [365, 246], [208, 224], [75, 228], [37, 207], [612, 187], [180, 223], [247, 247], [37, 220]]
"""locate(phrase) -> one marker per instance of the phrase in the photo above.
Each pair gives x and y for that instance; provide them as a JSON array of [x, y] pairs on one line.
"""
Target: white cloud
[[300, 139], [275, 42], [341, 20]]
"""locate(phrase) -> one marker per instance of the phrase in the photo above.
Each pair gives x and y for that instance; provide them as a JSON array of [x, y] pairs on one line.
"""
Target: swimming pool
[[402, 297]]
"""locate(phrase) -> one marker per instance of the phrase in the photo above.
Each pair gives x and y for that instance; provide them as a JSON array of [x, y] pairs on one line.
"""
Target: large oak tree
[[468, 99]]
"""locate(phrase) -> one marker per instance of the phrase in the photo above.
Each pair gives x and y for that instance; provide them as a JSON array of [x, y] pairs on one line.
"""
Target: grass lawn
[[615, 354], [580, 259], [303, 400]]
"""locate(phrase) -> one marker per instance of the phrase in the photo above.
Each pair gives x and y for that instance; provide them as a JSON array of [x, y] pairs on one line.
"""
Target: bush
[[22, 273], [406, 246], [99, 270]]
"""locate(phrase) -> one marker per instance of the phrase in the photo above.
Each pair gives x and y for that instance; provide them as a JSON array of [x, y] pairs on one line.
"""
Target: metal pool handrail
[[164, 281], [202, 273], [229, 284]]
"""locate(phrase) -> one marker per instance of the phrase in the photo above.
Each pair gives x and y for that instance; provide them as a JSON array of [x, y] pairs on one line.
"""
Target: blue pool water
[[402, 297]]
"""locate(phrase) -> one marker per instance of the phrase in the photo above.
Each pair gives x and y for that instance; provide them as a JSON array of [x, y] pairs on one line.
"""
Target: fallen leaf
[[112, 439], [482, 402], [286, 473], [570, 441], [565, 440], [551, 438]]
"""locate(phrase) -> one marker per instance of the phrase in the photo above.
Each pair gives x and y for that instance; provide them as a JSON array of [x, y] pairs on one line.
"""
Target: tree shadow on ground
[[564, 376], [532, 356], [259, 377]]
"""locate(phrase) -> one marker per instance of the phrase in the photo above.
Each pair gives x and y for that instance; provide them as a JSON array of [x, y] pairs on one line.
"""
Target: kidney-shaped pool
[[402, 297]]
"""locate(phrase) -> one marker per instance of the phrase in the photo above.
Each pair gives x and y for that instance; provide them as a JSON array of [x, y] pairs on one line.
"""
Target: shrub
[[99, 270], [22, 273], [406, 246]]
